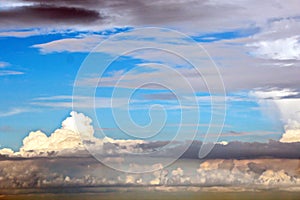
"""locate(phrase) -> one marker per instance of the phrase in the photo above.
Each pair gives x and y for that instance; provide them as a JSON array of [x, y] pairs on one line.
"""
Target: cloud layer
[[74, 172], [76, 134]]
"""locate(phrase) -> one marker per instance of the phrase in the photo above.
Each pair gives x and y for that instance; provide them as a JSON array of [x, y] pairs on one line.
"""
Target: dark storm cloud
[[233, 150], [150, 12], [247, 150], [43, 13], [117, 12]]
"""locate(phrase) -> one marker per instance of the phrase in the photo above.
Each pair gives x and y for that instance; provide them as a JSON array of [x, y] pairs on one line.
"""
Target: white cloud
[[291, 135], [20, 34], [273, 93], [6, 152], [69, 140], [280, 49], [10, 72], [281, 102], [7, 72], [13, 111], [65, 138], [80, 44], [65, 101], [9, 4], [4, 64]]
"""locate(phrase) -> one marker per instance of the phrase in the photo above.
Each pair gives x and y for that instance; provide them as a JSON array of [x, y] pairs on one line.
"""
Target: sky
[[142, 70]]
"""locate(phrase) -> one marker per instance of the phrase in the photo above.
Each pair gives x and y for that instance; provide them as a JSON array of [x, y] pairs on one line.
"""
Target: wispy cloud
[[4, 64], [20, 34], [4, 71], [80, 44], [13, 111], [10, 72]]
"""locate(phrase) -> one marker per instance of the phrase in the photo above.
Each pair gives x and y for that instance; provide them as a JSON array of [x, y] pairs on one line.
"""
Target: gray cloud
[[46, 174], [189, 15], [42, 14]]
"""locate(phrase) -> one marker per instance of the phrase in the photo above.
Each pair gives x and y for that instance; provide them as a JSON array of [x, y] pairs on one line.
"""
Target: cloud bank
[[77, 133], [85, 172]]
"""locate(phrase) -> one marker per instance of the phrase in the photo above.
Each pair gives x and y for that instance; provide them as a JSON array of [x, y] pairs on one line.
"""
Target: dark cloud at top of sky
[[42, 14], [132, 12]]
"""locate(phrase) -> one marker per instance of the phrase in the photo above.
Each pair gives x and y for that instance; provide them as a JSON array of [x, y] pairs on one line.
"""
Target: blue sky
[[38, 68]]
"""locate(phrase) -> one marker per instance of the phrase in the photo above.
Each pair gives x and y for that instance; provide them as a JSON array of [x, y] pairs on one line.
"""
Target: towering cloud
[[286, 104], [76, 131], [65, 138], [291, 135]]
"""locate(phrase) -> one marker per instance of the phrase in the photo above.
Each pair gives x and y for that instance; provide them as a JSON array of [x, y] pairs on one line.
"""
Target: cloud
[[67, 137], [231, 57], [291, 135], [5, 72], [73, 172], [233, 164], [65, 101], [274, 93], [280, 49], [292, 132], [20, 34], [284, 103], [191, 16], [6, 152], [10, 72], [75, 134], [44, 14], [81, 44], [13, 111], [270, 177], [4, 64]]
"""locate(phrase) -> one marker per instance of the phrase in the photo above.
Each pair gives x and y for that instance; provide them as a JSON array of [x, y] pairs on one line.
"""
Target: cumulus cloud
[[84, 172], [6, 152], [75, 134], [291, 135], [285, 103], [73, 131]]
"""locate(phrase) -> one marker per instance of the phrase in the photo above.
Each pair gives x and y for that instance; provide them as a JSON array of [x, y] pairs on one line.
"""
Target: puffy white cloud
[[6, 152], [68, 137], [76, 131], [286, 105], [80, 124], [291, 135]]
